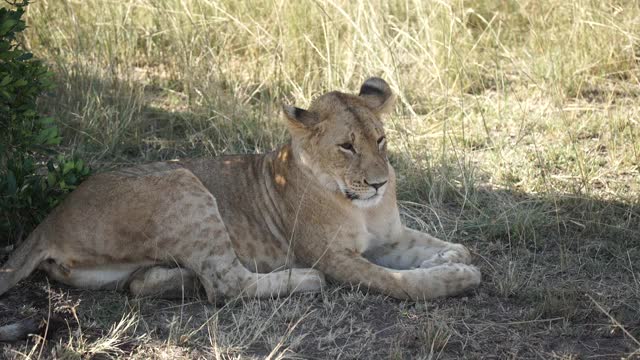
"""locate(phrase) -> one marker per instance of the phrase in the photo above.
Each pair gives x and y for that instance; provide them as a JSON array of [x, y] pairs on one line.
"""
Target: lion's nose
[[375, 185]]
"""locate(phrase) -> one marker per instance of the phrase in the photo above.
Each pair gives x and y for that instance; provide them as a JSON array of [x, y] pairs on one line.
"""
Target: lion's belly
[[109, 277]]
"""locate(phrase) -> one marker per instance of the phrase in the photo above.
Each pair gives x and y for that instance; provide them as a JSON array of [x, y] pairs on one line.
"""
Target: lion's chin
[[368, 202]]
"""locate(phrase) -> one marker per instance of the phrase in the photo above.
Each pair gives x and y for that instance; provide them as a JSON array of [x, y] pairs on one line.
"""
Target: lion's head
[[340, 138]]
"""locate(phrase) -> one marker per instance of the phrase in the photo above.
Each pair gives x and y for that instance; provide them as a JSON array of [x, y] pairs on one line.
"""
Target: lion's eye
[[347, 147], [382, 141]]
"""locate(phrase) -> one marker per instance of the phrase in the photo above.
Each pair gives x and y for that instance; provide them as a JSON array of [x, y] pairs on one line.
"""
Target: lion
[[257, 225]]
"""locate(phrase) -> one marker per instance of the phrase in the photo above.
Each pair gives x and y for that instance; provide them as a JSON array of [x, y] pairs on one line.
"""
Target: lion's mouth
[[353, 196]]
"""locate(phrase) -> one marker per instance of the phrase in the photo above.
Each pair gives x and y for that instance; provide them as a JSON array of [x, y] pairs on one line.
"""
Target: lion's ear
[[299, 118], [377, 95]]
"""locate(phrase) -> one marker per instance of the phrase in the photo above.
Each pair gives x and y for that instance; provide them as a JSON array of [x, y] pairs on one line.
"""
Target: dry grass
[[517, 133]]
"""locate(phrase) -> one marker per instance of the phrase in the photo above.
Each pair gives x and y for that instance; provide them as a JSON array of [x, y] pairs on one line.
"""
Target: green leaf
[[67, 167], [6, 80], [27, 165], [11, 183], [51, 179], [71, 179], [25, 56], [53, 136], [7, 25], [45, 121]]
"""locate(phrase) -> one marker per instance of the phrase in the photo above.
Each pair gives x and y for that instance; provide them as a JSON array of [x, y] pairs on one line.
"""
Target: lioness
[[252, 225]]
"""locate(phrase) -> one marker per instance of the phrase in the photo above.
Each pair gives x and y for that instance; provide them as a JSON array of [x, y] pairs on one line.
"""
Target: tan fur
[[253, 225]]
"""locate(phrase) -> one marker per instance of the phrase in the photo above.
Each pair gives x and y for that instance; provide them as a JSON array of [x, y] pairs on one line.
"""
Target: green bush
[[33, 177]]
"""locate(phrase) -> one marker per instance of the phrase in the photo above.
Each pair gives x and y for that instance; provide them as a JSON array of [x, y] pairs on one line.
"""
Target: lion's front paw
[[445, 280], [455, 253]]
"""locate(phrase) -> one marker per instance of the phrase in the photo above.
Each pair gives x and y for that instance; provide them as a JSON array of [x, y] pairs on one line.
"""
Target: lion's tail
[[23, 261], [19, 330]]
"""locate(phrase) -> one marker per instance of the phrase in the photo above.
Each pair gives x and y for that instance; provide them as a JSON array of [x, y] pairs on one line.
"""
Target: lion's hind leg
[[164, 282], [201, 243], [223, 276], [284, 282]]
